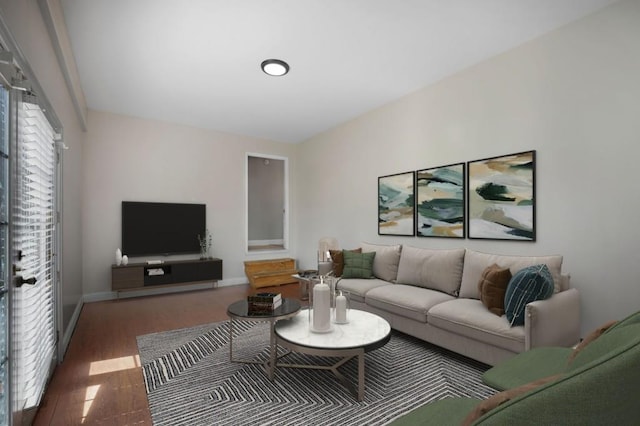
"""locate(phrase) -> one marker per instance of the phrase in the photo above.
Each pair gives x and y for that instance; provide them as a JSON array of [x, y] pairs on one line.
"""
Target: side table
[[239, 311]]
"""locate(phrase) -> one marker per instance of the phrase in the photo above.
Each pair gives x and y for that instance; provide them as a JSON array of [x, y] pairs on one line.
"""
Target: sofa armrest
[[554, 321]]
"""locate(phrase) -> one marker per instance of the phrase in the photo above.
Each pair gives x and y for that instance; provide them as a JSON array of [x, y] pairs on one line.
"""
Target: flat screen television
[[162, 228]]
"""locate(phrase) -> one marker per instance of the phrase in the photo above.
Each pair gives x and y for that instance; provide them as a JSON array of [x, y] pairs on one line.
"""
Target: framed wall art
[[440, 203], [396, 204], [501, 197]]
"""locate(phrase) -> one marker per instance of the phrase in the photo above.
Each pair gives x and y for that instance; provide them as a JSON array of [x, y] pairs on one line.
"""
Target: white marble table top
[[363, 329]]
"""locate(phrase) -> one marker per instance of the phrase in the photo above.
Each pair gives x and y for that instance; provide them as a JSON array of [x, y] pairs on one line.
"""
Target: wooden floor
[[100, 381]]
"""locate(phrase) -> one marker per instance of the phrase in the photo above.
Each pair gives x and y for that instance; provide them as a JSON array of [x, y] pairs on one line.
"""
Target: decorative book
[[264, 302]]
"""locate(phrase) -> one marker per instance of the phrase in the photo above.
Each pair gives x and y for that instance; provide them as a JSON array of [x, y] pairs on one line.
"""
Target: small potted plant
[[206, 242]]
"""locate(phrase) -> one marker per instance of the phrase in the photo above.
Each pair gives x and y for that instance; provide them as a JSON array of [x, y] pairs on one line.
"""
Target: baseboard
[[265, 242], [233, 281], [152, 291], [68, 332]]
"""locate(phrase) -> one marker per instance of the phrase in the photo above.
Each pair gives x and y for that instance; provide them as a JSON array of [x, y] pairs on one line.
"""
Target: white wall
[[134, 159], [572, 95], [25, 23]]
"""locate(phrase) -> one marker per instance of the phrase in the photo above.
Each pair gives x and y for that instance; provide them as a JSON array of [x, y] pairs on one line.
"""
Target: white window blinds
[[34, 237]]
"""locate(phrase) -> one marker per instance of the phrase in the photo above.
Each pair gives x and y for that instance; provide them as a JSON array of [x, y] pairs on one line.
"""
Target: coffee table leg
[[273, 349], [361, 376], [231, 339]]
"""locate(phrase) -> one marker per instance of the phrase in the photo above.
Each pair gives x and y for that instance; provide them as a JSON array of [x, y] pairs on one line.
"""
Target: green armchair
[[600, 385]]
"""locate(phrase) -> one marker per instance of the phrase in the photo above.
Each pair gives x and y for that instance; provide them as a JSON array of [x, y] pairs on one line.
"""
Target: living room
[[554, 94], [571, 94]]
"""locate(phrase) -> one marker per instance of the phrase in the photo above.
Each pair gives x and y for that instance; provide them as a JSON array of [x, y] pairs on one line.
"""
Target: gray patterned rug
[[190, 381]]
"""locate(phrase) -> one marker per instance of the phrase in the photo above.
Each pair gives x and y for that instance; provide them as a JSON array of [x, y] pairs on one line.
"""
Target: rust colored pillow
[[590, 338], [492, 288], [500, 398], [337, 260]]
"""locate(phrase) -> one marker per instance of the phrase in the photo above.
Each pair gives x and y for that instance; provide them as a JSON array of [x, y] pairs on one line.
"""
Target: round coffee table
[[239, 311], [363, 333]]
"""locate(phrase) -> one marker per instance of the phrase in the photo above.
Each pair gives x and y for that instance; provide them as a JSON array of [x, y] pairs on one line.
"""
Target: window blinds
[[34, 222]]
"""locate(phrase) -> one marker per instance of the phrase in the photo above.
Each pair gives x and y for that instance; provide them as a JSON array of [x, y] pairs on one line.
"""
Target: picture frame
[[501, 197], [440, 201], [396, 204]]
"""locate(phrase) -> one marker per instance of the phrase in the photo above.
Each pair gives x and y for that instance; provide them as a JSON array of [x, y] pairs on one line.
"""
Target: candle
[[321, 307], [341, 309]]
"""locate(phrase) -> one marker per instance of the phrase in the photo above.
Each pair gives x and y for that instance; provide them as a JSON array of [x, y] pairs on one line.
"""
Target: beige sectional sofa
[[433, 294]]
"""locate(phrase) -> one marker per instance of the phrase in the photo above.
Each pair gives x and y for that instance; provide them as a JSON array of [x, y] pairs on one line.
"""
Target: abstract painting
[[440, 201], [396, 201], [501, 196]]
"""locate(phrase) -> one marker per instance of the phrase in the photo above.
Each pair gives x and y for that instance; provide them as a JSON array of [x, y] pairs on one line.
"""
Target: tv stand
[[137, 276]]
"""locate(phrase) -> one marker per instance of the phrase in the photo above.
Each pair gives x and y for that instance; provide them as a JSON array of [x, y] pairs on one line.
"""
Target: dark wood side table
[[239, 311]]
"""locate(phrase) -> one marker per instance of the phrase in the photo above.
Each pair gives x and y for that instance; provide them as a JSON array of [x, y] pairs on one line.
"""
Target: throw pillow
[[590, 338], [493, 287], [527, 285], [385, 265], [500, 398], [436, 269], [337, 261], [358, 265], [475, 262]]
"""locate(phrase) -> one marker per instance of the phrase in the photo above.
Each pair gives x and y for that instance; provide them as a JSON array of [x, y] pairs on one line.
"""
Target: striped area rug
[[190, 381]]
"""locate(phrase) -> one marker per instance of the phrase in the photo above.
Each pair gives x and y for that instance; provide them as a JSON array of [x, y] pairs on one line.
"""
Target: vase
[[118, 257], [125, 260], [204, 254]]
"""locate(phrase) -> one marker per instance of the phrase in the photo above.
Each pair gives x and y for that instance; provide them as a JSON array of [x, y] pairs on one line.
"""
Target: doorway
[[267, 203]]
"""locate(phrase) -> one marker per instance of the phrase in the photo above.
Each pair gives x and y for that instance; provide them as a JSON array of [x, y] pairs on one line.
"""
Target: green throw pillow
[[358, 265], [527, 285]]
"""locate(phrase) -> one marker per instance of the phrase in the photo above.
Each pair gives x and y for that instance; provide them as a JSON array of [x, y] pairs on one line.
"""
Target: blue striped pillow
[[527, 285]]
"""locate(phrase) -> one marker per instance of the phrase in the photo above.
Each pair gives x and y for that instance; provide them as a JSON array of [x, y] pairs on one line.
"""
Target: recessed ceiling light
[[275, 67]]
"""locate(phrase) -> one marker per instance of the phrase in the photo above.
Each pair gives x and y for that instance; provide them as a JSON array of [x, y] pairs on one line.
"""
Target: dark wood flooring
[[100, 381]]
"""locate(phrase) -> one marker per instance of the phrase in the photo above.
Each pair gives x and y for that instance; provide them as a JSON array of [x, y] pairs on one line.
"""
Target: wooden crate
[[270, 272]]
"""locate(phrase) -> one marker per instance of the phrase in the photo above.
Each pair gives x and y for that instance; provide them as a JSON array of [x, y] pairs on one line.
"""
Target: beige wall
[[572, 95], [133, 159]]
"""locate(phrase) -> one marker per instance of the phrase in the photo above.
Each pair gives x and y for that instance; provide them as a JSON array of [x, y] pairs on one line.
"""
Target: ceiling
[[197, 62]]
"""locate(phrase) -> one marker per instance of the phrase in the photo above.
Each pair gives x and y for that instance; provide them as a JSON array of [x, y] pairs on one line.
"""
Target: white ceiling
[[197, 62]]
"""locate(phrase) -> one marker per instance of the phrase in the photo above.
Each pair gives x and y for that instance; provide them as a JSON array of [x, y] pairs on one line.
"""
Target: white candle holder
[[320, 307], [341, 310]]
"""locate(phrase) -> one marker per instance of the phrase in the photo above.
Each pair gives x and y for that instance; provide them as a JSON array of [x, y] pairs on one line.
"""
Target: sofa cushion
[[358, 265], [431, 268], [470, 318], [500, 398], [527, 285], [337, 261], [385, 264], [492, 288], [590, 338], [405, 300], [634, 318], [475, 262], [527, 366], [357, 287], [616, 341]]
